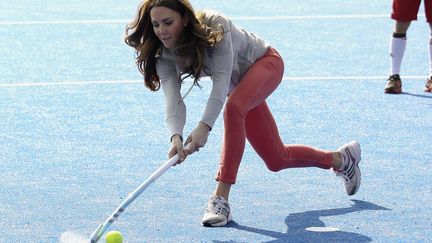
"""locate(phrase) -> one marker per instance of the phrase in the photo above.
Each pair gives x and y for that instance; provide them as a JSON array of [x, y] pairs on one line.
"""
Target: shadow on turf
[[298, 222], [418, 95]]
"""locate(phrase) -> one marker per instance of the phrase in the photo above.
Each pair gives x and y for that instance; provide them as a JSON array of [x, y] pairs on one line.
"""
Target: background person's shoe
[[394, 85], [428, 85]]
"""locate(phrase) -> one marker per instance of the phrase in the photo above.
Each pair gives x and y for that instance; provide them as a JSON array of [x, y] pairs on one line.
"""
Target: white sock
[[430, 56], [397, 51]]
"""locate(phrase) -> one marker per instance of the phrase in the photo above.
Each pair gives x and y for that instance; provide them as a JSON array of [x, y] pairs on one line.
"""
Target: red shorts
[[407, 10]]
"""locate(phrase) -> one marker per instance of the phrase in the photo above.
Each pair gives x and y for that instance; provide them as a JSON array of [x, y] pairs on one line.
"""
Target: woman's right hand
[[177, 148]]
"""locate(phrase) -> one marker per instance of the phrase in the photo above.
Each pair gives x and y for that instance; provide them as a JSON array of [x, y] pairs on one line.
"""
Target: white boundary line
[[60, 22], [80, 83], [124, 21], [306, 17], [69, 83]]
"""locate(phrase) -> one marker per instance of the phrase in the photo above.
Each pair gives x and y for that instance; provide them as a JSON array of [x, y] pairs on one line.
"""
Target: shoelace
[[393, 79], [216, 206]]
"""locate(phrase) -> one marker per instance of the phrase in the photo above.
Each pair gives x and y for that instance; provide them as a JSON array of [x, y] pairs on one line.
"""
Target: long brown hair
[[191, 45]]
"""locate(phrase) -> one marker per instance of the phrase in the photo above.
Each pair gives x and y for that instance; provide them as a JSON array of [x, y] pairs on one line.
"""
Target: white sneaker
[[350, 171], [217, 212]]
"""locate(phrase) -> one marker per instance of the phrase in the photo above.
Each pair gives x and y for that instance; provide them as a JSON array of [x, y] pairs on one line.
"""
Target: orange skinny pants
[[247, 115]]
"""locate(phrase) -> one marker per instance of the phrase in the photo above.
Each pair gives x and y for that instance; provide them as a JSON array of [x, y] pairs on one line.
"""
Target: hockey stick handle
[[97, 234]]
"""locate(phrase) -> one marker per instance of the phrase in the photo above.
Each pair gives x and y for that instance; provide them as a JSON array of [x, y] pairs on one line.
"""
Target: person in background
[[405, 11], [173, 42]]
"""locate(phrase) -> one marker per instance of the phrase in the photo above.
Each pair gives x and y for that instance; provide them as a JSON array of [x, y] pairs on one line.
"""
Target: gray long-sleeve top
[[225, 63]]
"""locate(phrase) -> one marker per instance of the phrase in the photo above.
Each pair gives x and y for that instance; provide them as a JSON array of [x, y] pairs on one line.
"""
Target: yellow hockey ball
[[114, 237]]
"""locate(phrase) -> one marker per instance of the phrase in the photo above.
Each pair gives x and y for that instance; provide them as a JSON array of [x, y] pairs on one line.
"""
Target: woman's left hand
[[198, 138]]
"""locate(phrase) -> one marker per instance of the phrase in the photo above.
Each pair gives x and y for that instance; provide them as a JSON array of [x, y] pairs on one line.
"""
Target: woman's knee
[[273, 167], [233, 107]]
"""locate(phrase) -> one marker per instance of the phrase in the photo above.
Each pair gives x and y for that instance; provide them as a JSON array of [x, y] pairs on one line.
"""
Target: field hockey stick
[[97, 234]]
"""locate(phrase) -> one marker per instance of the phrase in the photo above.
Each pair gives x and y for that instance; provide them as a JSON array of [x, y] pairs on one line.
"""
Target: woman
[[173, 43]]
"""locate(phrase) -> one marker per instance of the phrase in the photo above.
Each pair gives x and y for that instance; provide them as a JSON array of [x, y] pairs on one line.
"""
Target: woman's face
[[167, 25]]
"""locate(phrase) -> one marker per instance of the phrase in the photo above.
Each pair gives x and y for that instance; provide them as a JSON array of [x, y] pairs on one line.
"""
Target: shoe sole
[[355, 189], [392, 91], [217, 224], [357, 152]]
